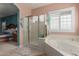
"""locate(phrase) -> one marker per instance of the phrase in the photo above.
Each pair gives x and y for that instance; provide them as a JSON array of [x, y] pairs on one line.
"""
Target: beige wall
[[56, 6]]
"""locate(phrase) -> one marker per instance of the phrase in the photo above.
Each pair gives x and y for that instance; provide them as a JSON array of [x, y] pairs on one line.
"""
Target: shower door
[[37, 29], [42, 26], [33, 30], [25, 31], [30, 30]]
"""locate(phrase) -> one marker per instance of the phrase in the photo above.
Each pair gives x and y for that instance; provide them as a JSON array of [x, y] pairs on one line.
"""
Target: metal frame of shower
[[29, 28]]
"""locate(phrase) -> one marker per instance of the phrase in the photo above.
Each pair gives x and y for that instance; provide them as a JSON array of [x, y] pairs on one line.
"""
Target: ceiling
[[36, 5], [7, 9]]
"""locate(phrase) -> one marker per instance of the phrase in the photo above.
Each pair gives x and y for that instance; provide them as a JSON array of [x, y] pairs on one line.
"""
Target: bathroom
[[43, 29], [39, 29]]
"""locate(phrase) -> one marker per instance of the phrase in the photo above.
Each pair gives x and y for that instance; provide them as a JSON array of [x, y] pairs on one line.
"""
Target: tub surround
[[65, 45]]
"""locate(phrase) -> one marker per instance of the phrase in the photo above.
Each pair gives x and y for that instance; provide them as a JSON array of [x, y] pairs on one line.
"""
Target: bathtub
[[64, 45]]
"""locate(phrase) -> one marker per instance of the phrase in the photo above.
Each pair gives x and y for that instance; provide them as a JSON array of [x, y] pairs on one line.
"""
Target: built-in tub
[[63, 45]]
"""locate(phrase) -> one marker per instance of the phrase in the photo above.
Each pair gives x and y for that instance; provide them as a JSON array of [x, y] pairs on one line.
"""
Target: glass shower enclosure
[[34, 30]]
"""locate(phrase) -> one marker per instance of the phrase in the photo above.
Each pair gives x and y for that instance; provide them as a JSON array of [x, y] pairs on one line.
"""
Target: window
[[61, 20]]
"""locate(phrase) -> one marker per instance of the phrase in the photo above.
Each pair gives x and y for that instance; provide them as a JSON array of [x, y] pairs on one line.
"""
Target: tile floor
[[8, 49]]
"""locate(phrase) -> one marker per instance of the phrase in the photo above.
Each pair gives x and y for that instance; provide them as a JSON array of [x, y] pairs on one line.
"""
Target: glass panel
[[66, 26], [33, 30], [42, 26], [41, 18], [25, 30], [35, 19], [61, 21], [54, 23], [66, 18]]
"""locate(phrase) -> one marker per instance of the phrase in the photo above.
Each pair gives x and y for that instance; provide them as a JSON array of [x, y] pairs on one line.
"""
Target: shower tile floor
[[8, 49]]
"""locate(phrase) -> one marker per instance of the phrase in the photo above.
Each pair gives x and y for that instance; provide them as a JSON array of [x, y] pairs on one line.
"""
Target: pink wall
[[55, 6], [27, 11], [24, 11]]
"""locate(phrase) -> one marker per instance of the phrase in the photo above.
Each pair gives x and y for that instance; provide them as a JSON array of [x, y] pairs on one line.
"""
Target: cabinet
[[15, 36]]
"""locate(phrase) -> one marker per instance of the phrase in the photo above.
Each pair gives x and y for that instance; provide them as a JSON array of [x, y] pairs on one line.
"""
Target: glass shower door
[[25, 31], [37, 30], [33, 30]]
